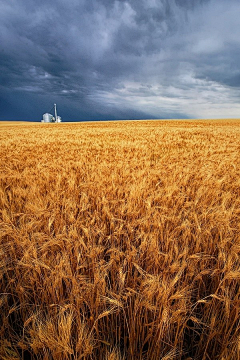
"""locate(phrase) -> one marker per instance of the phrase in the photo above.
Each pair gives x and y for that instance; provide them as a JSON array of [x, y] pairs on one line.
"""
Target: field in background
[[120, 240]]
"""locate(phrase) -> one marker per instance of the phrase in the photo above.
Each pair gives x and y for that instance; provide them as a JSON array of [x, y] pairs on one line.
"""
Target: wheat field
[[120, 240]]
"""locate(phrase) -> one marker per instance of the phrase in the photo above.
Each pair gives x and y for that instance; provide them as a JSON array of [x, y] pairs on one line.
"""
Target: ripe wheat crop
[[120, 240]]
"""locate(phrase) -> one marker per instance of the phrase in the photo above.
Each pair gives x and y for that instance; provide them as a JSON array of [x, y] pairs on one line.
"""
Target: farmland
[[120, 240]]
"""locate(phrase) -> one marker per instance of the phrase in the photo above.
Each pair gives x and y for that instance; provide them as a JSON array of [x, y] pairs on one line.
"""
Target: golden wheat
[[120, 240]]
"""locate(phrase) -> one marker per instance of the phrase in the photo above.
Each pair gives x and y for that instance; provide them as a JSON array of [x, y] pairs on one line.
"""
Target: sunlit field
[[120, 240]]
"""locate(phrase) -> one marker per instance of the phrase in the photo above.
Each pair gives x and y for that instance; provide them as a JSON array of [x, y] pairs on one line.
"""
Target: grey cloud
[[103, 59]]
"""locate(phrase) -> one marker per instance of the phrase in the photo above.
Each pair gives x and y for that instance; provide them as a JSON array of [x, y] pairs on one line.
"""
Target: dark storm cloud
[[102, 59]]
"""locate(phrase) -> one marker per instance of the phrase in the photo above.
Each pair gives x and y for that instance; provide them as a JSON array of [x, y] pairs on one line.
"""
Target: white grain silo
[[49, 118]]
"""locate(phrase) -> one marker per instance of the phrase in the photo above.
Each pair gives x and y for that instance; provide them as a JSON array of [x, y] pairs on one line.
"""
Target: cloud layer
[[102, 59]]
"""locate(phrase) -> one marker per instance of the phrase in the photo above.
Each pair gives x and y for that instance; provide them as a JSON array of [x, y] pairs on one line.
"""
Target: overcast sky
[[106, 59]]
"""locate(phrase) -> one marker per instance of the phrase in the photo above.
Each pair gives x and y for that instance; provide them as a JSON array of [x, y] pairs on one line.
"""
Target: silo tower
[[49, 118]]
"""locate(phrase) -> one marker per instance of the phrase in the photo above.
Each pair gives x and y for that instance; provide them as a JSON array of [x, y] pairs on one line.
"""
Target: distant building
[[49, 118]]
